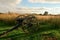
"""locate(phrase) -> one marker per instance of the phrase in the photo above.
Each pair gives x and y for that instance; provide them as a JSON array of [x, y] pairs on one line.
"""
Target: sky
[[30, 3], [30, 6]]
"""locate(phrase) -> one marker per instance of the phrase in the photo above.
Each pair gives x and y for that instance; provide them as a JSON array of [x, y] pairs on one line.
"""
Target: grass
[[20, 35], [47, 24]]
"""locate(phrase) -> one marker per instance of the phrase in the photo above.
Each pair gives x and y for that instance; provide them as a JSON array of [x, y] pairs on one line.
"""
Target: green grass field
[[46, 28]]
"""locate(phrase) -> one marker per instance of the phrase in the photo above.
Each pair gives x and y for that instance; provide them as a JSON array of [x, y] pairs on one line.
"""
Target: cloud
[[4, 9], [8, 5], [10, 2], [38, 10], [44, 1]]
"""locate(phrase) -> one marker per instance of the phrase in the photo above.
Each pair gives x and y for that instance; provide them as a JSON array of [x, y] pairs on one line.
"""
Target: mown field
[[49, 28]]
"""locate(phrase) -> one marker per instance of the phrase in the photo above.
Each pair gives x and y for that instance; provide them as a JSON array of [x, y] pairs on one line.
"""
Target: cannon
[[24, 22]]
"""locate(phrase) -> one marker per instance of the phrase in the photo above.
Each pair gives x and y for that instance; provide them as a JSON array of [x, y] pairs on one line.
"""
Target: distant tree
[[1, 13], [40, 14], [46, 13]]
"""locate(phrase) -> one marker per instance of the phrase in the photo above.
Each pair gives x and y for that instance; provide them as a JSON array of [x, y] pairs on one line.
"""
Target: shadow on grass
[[22, 35], [4, 30]]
